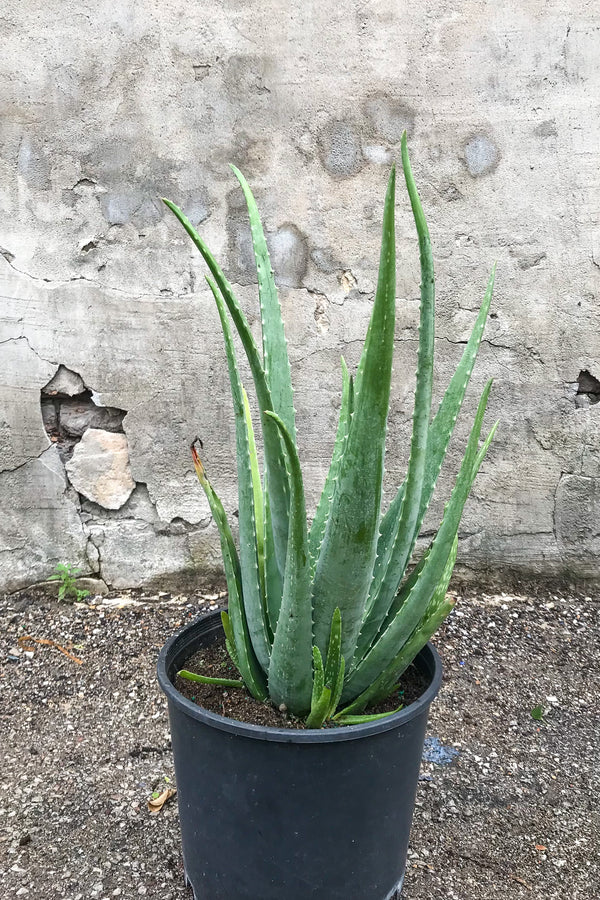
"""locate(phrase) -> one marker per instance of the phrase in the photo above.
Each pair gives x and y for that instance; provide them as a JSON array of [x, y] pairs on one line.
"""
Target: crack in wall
[[23, 337], [95, 561], [26, 462], [62, 282]]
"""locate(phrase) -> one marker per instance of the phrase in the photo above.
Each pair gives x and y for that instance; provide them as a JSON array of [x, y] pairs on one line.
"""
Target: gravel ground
[[507, 804]]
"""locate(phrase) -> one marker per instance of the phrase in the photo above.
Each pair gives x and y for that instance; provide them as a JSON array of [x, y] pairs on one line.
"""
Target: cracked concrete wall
[[106, 107]]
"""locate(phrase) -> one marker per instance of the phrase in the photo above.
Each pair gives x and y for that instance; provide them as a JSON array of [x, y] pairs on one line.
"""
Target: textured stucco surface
[[106, 107]]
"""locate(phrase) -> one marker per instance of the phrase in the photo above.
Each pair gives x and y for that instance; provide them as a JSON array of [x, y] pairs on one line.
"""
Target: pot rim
[[186, 636]]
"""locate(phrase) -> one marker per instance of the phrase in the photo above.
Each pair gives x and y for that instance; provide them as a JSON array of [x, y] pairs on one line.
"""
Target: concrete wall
[[105, 107]]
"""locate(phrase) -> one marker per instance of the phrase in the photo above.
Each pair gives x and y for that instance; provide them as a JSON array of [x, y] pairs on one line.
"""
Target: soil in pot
[[237, 703]]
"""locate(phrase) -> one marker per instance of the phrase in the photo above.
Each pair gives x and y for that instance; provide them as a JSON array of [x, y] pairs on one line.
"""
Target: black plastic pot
[[277, 814]]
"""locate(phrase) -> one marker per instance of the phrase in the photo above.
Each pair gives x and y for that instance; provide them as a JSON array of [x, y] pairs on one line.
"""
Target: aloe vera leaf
[[232, 653], [347, 554], [440, 432], [334, 644], [389, 570], [399, 626], [438, 609], [387, 532], [413, 608], [251, 588], [409, 510], [407, 587], [371, 629], [442, 427], [258, 494], [434, 606], [273, 448], [273, 576], [248, 664], [318, 678], [204, 679], [290, 668], [226, 623], [388, 527], [229, 639], [275, 354], [318, 713], [344, 719], [338, 687], [317, 528], [407, 613], [386, 683]]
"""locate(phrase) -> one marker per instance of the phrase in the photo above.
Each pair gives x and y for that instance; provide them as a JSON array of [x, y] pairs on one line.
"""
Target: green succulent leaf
[[318, 678], [247, 662], [275, 353], [229, 638], [317, 528], [320, 710], [345, 564], [386, 682], [348, 719], [371, 627], [334, 646], [273, 448], [338, 687], [321, 696], [336, 664], [273, 574], [205, 679], [398, 550], [290, 668], [249, 563], [442, 427], [259, 524], [440, 432], [412, 610], [438, 609]]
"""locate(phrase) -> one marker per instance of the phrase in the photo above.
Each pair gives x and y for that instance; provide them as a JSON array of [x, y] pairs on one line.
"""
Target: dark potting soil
[[236, 703]]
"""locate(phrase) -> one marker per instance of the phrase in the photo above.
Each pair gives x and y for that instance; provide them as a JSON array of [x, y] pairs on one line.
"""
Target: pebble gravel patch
[[507, 805]]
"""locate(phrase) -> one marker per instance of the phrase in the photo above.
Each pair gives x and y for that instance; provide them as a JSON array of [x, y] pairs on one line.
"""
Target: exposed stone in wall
[[64, 382], [99, 468], [69, 409], [588, 390], [84, 462], [75, 416]]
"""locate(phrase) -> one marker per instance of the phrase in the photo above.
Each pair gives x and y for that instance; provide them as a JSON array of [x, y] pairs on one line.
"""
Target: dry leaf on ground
[[155, 804]]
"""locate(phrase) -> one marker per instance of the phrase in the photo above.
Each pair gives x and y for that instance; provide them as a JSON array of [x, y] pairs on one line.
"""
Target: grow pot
[[273, 813]]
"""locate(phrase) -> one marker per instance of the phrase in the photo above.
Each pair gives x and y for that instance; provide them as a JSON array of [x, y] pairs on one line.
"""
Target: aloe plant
[[324, 619]]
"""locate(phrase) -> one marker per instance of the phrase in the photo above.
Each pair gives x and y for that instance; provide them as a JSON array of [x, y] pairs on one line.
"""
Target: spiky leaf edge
[[247, 662]]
